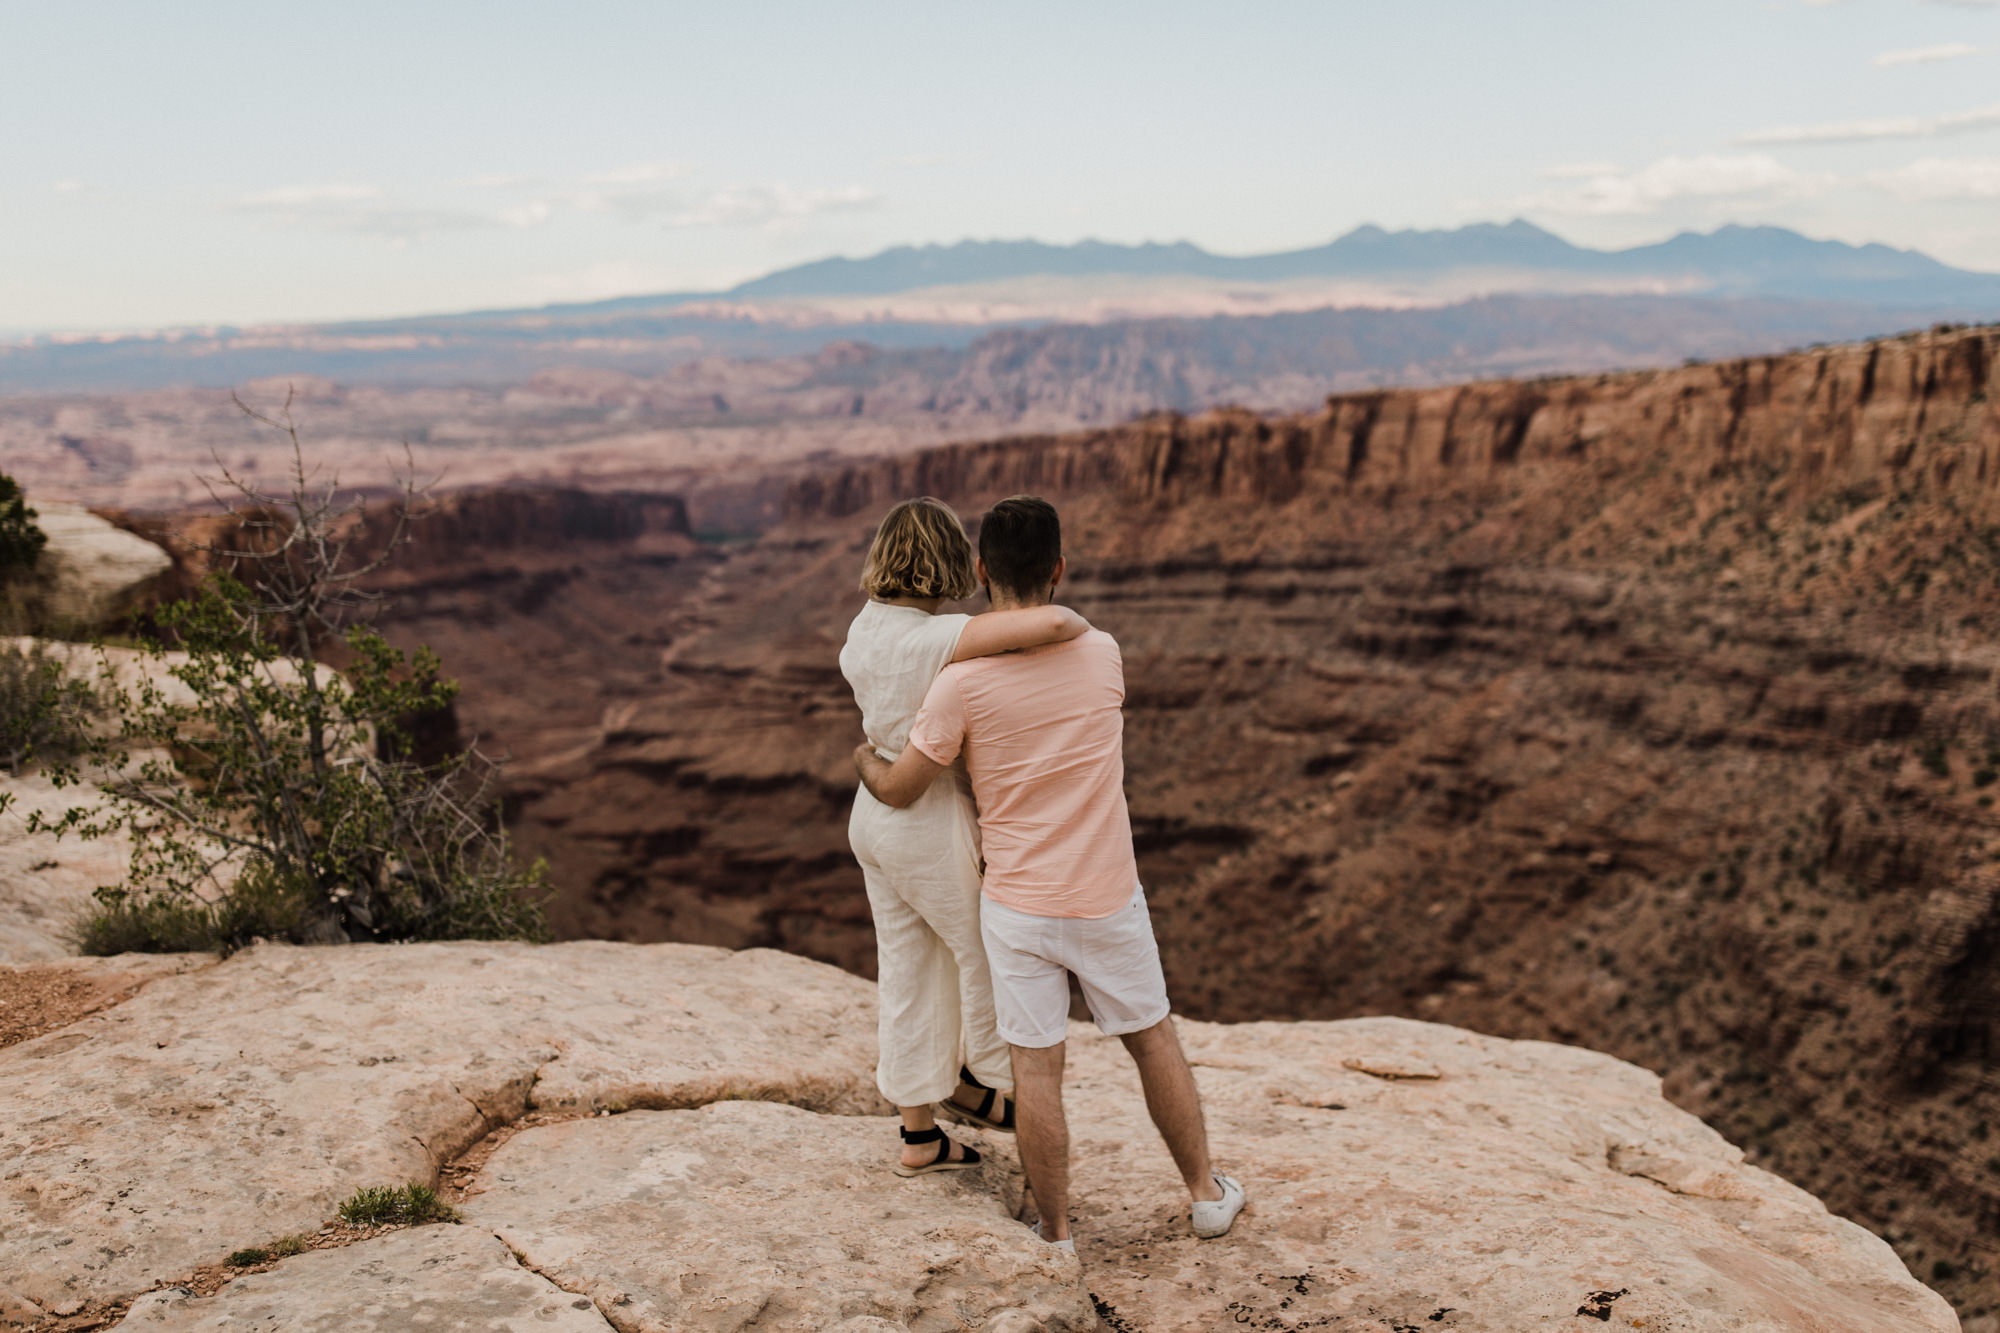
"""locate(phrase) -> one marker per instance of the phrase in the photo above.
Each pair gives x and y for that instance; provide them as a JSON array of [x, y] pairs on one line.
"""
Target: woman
[[921, 863]]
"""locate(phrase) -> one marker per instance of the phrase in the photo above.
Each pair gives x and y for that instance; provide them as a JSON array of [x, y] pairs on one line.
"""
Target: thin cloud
[[772, 205], [1578, 171], [528, 213], [499, 180], [1896, 127], [1925, 55], [640, 173], [637, 192], [650, 193], [309, 196], [1942, 178], [1673, 179], [362, 210]]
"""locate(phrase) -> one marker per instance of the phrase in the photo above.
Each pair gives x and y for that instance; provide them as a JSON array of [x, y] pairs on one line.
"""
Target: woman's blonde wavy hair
[[920, 550]]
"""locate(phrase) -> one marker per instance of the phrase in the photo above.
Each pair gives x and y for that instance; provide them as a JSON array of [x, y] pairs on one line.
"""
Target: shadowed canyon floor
[[690, 1141], [1652, 712]]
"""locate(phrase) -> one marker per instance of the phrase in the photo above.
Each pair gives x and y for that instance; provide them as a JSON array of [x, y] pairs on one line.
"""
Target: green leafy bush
[[273, 796], [46, 712]]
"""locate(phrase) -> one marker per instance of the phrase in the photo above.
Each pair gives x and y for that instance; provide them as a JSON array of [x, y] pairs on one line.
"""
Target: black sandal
[[983, 1117], [943, 1161]]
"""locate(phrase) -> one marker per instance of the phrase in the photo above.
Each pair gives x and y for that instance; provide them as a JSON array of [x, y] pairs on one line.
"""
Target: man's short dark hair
[[1020, 539]]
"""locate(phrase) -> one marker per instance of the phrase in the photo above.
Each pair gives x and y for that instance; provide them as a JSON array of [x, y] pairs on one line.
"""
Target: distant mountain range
[[1730, 261], [950, 296]]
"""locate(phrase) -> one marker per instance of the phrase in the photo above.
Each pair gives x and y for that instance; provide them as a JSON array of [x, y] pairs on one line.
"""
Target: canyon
[[1651, 712]]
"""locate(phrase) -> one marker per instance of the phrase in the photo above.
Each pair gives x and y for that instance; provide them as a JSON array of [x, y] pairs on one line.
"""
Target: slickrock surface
[[230, 1106], [91, 572], [444, 1278], [40, 997], [746, 1214], [1502, 1194], [1466, 1182]]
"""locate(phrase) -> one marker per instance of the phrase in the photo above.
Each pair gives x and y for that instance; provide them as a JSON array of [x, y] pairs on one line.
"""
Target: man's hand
[[896, 784]]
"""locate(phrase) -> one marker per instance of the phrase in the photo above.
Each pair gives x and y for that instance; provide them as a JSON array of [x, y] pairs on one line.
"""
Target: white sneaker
[[1069, 1244], [1214, 1217]]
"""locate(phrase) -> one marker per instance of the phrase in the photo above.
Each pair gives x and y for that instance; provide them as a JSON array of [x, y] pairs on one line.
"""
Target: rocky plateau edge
[[674, 1137]]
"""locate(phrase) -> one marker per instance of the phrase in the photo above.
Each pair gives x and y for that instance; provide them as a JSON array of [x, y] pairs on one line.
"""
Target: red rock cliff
[[1918, 408]]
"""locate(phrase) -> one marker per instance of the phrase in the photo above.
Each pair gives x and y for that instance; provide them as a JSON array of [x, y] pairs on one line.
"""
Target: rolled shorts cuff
[[1127, 1027], [1036, 1040]]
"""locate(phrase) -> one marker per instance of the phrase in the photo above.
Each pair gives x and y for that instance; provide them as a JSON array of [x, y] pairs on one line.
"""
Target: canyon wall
[[1830, 417], [1653, 712]]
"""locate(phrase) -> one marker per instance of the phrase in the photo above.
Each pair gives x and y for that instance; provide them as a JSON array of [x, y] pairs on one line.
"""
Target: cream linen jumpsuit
[[921, 865]]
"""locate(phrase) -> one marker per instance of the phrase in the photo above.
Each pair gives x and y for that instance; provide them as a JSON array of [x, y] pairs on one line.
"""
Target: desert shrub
[[282, 1248], [275, 797], [21, 541], [274, 803], [46, 713], [386, 1205], [260, 904]]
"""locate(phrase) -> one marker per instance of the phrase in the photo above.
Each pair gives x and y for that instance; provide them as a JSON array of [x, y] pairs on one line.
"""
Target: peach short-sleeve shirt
[[1044, 745]]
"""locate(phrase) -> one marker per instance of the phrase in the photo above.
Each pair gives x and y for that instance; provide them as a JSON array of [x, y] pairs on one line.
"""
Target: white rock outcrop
[[1402, 1175], [91, 572]]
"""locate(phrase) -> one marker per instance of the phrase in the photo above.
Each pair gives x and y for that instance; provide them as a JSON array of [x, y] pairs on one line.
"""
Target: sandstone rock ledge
[[1402, 1175], [91, 572]]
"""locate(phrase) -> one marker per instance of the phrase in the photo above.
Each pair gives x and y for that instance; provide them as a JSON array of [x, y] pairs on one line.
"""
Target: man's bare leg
[[1172, 1101], [1042, 1133]]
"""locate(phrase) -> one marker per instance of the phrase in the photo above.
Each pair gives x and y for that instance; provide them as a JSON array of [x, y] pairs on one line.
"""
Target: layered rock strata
[[1402, 1174]]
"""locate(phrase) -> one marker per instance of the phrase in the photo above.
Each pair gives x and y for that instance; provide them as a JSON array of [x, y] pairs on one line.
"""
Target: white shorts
[[1115, 959]]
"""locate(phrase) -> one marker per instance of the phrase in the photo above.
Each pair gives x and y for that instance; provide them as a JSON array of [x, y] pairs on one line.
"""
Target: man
[[1043, 739]]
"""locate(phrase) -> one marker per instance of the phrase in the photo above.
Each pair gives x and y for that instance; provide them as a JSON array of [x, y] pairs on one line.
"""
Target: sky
[[208, 162]]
